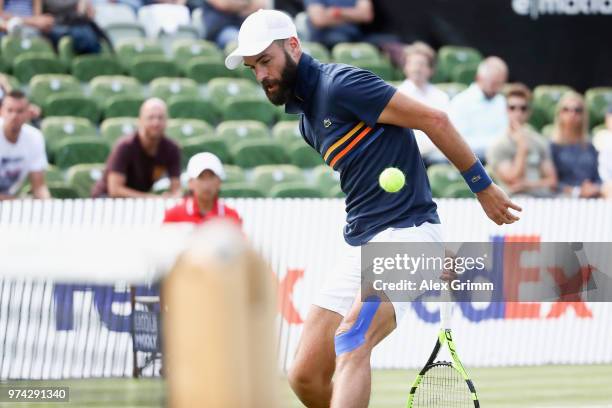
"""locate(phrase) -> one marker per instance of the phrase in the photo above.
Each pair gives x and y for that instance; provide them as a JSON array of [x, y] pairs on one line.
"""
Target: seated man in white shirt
[[22, 149], [419, 67], [479, 112]]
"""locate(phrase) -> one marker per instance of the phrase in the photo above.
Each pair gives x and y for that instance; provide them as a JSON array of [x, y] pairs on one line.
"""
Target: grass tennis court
[[545, 386]]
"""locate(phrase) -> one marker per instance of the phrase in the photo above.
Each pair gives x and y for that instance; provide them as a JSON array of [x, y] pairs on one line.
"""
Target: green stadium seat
[[123, 106], [106, 86], [4, 67], [128, 49], [203, 69], [336, 192], [249, 108], [316, 50], [13, 82], [326, 179], [302, 155], [61, 190], [56, 128], [458, 190], [352, 53], [287, 132], [65, 50], [267, 176], [251, 153], [598, 101], [451, 88], [186, 49], [165, 88], [113, 128], [54, 174], [294, 190], [451, 56], [220, 89], [195, 145], [233, 174], [238, 130], [240, 190], [464, 73], [183, 129], [245, 72], [80, 149], [30, 64], [13, 46], [124, 31], [44, 85], [184, 107], [146, 68], [441, 176], [548, 130], [283, 116], [380, 67], [546, 97], [72, 105], [87, 67], [82, 177]]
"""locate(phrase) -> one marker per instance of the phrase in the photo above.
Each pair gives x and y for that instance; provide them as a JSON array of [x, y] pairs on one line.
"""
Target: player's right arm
[[404, 111]]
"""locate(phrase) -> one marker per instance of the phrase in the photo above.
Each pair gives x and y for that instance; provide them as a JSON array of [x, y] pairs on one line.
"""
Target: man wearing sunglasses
[[520, 159]]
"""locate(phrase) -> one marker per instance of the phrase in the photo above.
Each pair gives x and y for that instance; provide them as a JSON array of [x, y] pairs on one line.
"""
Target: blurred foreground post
[[219, 342]]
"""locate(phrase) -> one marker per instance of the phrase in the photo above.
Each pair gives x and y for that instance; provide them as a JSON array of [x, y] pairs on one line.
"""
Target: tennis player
[[360, 125]]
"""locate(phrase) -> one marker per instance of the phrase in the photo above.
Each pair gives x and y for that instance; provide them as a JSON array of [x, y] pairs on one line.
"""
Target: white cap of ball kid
[[257, 32]]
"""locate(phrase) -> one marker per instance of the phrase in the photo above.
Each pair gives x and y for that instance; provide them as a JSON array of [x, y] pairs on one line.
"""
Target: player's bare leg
[[311, 373], [353, 373]]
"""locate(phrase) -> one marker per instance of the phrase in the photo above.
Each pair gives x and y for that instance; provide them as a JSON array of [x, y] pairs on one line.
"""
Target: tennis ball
[[392, 180]]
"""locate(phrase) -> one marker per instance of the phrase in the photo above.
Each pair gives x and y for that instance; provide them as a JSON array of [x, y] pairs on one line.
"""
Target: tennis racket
[[443, 384]]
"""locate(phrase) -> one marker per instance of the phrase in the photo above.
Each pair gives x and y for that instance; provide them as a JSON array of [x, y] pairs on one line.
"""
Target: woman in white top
[[419, 67]]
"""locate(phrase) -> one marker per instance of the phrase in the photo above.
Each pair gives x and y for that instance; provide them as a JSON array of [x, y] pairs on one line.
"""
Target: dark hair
[[518, 90], [16, 94]]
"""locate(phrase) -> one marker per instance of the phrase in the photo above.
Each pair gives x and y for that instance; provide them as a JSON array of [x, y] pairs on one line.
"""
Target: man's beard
[[285, 85]]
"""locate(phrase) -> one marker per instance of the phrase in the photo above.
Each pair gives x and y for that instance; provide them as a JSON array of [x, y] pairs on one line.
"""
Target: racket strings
[[443, 387]]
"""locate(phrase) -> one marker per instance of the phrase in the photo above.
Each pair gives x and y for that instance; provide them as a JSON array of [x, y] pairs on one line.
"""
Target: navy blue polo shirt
[[340, 105]]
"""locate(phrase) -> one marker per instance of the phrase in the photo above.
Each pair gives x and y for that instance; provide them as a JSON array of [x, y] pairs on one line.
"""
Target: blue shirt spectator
[[479, 112], [335, 21], [573, 155], [222, 18]]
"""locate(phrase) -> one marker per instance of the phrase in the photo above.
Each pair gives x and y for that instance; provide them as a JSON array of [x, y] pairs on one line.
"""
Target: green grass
[[543, 386]]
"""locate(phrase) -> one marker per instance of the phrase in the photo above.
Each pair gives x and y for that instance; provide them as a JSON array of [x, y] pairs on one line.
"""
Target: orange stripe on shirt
[[350, 146], [344, 139]]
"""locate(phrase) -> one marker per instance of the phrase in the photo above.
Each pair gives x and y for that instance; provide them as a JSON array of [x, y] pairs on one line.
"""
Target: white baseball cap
[[257, 32], [205, 161]]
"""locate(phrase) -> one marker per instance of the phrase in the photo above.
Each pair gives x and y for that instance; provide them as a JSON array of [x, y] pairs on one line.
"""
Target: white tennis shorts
[[342, 286]]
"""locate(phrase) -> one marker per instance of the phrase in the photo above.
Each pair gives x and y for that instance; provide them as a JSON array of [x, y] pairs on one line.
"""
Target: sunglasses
[[577, 109], [522, 108]]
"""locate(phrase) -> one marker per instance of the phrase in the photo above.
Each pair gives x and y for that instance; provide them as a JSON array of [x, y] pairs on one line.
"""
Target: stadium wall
[[301, 238]]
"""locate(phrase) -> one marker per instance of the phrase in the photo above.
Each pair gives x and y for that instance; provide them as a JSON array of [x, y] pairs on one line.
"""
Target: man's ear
[[293, 47]]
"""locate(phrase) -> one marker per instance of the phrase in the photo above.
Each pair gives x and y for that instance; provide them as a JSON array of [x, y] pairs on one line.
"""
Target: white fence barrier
[[301, 240]]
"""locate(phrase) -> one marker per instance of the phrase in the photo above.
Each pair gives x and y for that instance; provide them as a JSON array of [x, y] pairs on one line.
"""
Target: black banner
[[543, 41]]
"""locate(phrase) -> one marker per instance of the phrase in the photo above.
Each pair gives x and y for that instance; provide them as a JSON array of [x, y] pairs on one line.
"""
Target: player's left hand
[[496, 204]]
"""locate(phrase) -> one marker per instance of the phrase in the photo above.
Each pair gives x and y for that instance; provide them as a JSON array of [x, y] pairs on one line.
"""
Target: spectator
[[205, 173], [223, 18], [419, 67], [479, 112], [139, 160], [520, 159], [74, 18], [5, 88], [574, 156], [603, 137], [335, 21], [22, 149], [605, 170], [19, 13]]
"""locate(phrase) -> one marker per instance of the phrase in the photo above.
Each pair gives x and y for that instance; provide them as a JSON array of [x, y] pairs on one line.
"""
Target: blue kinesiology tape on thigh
[[355, 336]]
